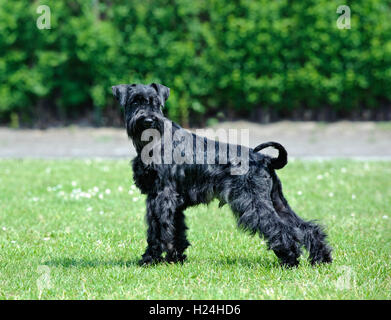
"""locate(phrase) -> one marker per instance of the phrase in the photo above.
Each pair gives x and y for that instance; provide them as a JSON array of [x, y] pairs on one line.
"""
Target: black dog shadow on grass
[[84, 263], [248, 263], [221, 261]]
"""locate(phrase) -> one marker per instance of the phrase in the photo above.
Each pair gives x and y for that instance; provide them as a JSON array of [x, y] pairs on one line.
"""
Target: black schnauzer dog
[[179, 169]]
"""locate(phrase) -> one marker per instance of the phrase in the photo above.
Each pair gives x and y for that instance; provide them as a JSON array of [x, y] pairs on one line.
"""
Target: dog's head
[[142, 103]]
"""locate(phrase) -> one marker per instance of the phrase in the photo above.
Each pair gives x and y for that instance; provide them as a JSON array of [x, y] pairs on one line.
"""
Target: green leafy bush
[[215, 55]]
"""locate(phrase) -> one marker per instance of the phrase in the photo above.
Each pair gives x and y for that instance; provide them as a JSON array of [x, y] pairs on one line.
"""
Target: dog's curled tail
[[281, 160]]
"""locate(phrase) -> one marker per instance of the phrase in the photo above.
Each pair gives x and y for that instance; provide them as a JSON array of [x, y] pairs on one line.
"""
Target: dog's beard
[[135, 129]]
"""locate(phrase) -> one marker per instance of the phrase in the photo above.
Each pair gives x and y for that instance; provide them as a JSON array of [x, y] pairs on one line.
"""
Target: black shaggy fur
[[255, 197]]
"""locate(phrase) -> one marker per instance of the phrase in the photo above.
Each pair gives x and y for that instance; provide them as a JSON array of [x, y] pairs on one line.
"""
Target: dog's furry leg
[[256, 213], [154, 249], [180, 240], [313, 237], [282, 238], [164, 205]]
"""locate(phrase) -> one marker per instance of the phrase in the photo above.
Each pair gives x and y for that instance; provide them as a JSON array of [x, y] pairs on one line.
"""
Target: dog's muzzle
[[148, 122], [141, 122]]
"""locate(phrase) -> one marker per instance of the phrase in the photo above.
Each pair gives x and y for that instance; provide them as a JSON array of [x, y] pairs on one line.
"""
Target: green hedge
[[216, 55]]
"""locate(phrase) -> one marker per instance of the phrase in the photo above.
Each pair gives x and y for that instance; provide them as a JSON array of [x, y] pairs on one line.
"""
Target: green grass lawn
[[74, 229]]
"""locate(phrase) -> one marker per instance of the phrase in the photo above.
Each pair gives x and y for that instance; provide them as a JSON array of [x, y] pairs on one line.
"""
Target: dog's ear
[[162, 91], [120, 92]]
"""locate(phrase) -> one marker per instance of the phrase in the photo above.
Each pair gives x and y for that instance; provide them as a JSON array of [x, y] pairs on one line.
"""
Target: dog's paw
[[177, 258], [288, 255], [322, 256], [289, 262], [148, 260]]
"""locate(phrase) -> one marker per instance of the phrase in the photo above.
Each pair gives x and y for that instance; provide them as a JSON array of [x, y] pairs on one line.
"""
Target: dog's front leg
[[154, 249], [180, 240], [161, 207]]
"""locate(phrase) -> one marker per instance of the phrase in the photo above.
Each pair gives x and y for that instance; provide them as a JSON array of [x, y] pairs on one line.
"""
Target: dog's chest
[[144, 176]]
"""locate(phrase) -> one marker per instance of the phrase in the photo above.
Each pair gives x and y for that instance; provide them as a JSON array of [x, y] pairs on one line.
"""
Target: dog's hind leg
[[313, 237], [255, 212]]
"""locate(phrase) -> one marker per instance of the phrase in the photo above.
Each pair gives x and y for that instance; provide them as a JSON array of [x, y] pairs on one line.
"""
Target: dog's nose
[[148, 121]]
